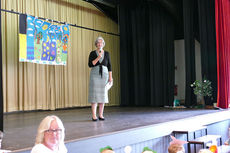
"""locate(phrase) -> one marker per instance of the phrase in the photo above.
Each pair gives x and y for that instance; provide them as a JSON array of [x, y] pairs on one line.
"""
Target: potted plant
[[202, 89]]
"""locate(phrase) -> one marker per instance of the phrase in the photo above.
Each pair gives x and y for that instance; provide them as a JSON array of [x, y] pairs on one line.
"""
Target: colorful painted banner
[[42, 42]]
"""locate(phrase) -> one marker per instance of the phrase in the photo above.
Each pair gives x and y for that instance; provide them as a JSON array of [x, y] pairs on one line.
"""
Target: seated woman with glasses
[[50, 136]]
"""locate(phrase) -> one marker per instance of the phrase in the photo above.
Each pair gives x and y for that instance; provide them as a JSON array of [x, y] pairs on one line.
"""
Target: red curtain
[[222, 12]]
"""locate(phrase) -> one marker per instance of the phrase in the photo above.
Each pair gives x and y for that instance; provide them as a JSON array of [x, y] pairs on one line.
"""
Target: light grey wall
[[180, 67]]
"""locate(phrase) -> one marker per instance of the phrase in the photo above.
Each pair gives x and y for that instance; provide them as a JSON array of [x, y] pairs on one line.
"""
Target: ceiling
[[173, 7], [108, 7]]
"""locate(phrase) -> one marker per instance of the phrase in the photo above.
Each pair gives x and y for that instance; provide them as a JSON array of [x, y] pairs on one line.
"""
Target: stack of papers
[[108, 85]]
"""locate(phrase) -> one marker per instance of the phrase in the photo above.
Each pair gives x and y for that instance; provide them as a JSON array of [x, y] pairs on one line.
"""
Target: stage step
[[204, 140]]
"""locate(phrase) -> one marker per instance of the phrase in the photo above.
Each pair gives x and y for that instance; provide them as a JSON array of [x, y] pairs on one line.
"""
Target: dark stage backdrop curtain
[[146, 55], [189, 38], [222, 9], [206, 9]]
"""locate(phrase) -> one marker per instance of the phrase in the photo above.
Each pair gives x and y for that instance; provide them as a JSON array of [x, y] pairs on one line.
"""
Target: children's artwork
[[42, 42]]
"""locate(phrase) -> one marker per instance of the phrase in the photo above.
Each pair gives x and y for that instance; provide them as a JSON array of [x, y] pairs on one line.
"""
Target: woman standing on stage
[[100, 75]]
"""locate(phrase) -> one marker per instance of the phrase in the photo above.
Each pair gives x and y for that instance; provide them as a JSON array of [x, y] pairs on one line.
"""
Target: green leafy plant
[[202, 88]]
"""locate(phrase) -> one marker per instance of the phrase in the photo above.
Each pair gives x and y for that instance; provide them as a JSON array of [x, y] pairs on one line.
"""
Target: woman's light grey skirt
[[97, 90]]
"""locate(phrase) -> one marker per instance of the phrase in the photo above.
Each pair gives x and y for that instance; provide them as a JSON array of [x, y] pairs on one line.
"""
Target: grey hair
[[45, 125], [99, 38]]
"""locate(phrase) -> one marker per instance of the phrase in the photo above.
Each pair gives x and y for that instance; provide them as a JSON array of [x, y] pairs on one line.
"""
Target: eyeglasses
[[53, 131]]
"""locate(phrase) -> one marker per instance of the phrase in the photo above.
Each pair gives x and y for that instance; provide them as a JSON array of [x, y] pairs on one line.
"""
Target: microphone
[[100, 50]]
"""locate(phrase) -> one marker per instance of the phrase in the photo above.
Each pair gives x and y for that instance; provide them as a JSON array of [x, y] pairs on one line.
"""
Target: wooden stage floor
[[20, 128]]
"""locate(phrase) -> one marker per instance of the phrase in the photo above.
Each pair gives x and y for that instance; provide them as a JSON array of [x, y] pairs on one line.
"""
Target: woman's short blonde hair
[[45, 125], [99, 38]]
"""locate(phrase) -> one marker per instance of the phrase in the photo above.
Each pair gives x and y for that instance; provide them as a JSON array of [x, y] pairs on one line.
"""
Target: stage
[[20, 128]]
